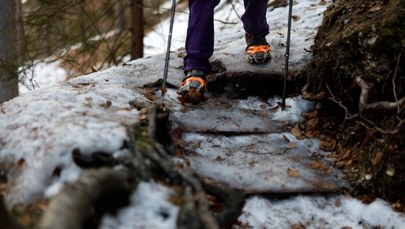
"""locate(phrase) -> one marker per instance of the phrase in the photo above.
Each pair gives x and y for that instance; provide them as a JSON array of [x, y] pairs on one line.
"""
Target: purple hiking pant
[[200, 32]]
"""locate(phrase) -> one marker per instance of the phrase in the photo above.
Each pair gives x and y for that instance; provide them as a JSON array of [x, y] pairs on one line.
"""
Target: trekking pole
[[169, 42], [287, 53]]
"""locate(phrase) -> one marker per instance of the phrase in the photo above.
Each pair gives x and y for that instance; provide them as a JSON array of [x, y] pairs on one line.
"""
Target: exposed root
[[73, 206], [314, 97], [107, 189], [382, 105]]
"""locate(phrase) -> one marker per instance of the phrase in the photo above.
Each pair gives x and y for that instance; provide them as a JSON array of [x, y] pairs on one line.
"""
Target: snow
[[40, 128], [150, 209], [334, 211], [43, 74]]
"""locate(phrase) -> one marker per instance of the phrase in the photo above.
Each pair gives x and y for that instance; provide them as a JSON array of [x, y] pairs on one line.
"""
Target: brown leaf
[[107, 104], [297, 226], [292, 145], [292, 173], [296, 131], [375, 9], [328, 144], [263, 114], [196, 144], [338, 202], [309, 134], [344, 154], [366, 199], [295, 17], [183, 110], [397, 206], [312, 122], [20, 163], [377, 158], [316, 164]]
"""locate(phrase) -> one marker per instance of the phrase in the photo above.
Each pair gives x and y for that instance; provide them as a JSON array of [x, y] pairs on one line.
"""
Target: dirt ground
[[359, 69]]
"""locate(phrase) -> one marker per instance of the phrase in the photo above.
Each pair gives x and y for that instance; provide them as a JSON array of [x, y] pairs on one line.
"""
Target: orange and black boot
[[193, 87], [257, 50]]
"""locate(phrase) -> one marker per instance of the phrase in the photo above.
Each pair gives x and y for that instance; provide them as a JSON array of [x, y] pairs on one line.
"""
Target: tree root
[[363, 101], [77, 202], [313, 97], [82, 204]]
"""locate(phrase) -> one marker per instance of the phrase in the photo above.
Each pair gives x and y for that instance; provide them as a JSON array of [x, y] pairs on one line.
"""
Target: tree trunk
[[137, 29], [8, 50]]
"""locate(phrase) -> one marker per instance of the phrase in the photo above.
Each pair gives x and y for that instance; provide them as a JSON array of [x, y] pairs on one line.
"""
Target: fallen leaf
[[107, 104], [338, 202], [311, 114], [365, 199], [312, 122], [20, 163], [263, 106], [297, 226], [397, 206], [263, 114], [316, 164], [196, 144], [183, 110], [292, 173], [292, 145], [328, 144], [344, 154], [286, 138], [377, 158], [295, 17], [296, 131], [310, 133], [374, 9], [89, 101]]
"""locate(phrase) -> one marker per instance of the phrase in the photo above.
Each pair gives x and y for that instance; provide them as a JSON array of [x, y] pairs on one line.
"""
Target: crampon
[[192, 90], [258, 54]]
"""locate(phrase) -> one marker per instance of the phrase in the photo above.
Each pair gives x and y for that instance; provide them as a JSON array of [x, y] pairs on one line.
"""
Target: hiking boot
[[257, 50], [193, 87]]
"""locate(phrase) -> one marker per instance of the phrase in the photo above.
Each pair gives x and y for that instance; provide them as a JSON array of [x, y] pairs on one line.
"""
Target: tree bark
[[8, 50], [86, 200], [71, 208], [137, 29]]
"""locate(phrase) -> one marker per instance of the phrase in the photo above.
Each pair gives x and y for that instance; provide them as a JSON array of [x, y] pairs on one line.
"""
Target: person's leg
[[200, 35], [256, 28], [254, 19]]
